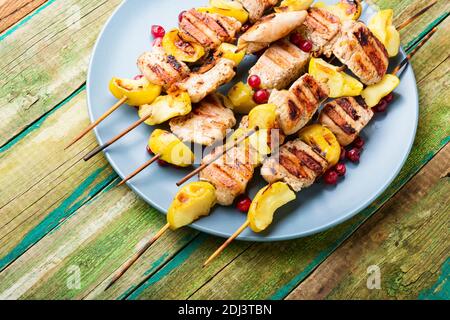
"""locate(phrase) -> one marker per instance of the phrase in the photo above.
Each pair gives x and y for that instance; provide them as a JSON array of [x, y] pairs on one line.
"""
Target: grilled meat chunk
[[346, 117], [207, 123], [362, 52], [230, 174], [322, 29], [271, 28], [297, 164], [297, 106], [280, 65], [207, 29], [200, 84], [256, 8], [162, 69]]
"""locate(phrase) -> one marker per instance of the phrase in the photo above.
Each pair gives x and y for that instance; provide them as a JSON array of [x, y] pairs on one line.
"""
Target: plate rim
[[313, 231]]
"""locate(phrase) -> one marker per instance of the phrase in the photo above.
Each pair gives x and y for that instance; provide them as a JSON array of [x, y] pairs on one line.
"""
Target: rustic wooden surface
[[57, 212]]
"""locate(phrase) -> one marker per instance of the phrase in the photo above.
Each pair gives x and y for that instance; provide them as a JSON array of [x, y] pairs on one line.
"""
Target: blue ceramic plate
[[389, 137]]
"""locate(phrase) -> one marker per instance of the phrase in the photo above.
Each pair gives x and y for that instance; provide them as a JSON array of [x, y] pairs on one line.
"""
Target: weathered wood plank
[[407, 240], [12, 11], [51, 282], [46, 60], [40, 189]]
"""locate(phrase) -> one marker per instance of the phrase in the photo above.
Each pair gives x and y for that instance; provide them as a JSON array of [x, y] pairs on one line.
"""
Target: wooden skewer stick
[[98, 121], [144, 166], [245, 226], [227, 243], [225, 151], [124, 268], [414, 17], [99, 149]]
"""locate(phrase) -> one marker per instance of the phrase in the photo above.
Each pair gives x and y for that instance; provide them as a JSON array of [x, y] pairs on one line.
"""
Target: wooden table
[[62, 218]]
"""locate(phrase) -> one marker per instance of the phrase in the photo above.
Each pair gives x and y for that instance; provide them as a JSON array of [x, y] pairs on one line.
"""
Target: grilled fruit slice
[[339, 83], [182, 50], [374, 93], [138, 92], [227, 8], [162, 69], [207, 123], [266, 203], [297, 164], [362, 52], [207, 29], [382, 27], [323, 141], [192, 202], [165, 108], [170, 148], [281, 64], [241, 97], [230, 52], [270, 29], [346, 117], [294, 5], [346, 9]]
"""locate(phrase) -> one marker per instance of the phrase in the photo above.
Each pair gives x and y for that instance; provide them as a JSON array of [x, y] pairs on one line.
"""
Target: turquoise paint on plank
[[179, 259], [22, 22], [54, 218], [433, 24], [39, 122], [154, 266], [441, 289]]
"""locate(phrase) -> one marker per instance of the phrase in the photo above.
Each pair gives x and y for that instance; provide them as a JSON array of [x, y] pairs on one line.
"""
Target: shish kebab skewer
[[136, 256], [211, 36], [336, 131]]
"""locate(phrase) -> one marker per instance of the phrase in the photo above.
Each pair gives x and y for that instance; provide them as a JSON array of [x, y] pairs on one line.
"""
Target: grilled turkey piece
[[162, 69], [297, 164], [256, 8], [207, 123], [297, 106], [280, 65], [207, 29], [346, 117]]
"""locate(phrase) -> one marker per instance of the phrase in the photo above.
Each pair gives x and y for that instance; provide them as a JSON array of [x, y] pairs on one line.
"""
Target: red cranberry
[[261, 96], [341, 169], [354, 155], [163, 163], [389, 98], [331, 177], [138, 77], [150, 151], [296, 38], [254, 82], [244, 204], [181, 15], [157, 42], [158, 31], [245, 27], [381, 107], [343, 154], [359, 143], [305, 46]]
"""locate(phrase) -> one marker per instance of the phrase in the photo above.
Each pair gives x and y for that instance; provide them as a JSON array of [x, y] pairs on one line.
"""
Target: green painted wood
[[45, 60], [407, 240], [41, 189], [98, 243]]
